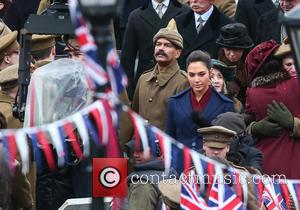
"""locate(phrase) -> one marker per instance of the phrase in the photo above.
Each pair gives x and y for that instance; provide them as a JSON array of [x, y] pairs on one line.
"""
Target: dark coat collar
[[185, 103], [149, 4], [261, 6], [206, 34], [149, 15]]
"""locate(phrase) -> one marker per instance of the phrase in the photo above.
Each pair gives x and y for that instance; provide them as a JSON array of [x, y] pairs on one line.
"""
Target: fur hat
[[228, 72], [170, 33], [258, 55], [234, 35], [8, 44], [284, 49]]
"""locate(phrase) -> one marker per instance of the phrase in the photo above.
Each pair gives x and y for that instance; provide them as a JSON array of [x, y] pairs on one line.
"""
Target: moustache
[[161, 53]]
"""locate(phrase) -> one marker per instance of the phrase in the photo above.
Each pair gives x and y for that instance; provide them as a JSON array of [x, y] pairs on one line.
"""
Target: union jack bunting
[[190, 198], [271, 202], [113, 74], [231, 201]]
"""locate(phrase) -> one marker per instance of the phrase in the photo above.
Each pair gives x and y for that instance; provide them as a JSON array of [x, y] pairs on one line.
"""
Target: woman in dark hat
[[234, 43], [273, 100], [220, 76]]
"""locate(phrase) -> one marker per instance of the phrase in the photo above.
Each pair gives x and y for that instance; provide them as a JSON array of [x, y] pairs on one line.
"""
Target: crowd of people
[[216, 75]]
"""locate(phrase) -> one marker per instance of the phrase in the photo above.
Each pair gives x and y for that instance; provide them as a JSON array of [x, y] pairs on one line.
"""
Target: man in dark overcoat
[[189, 24], [249, 11], [143, 24]]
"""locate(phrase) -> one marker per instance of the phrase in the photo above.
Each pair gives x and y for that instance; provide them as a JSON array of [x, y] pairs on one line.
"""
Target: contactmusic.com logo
[[109, 177]]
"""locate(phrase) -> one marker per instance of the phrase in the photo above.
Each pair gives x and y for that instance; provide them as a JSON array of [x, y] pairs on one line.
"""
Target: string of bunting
[[99, 122]]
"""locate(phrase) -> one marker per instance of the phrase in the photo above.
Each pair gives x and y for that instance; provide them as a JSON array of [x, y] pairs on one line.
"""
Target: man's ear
[[178, 53], [53, 51], [7, 59], [1, 6]]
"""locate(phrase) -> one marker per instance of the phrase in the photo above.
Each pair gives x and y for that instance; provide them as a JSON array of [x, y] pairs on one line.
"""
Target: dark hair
[[41, 54], [199, 56], [271, 65]]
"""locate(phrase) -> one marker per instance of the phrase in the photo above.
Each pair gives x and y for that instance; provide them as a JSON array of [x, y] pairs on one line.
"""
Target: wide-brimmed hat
[[234, 35], [228, 72], [258, 55]]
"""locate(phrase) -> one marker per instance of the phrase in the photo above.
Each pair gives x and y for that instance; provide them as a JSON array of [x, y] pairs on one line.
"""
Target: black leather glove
[[199, 119], [266, 127], [279, 113]]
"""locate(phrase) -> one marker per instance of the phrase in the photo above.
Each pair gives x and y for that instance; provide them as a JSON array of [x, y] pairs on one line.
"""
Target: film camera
[[55, 20]]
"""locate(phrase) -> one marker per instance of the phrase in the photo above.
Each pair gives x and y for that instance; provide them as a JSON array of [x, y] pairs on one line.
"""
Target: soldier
[[9, 50], [20, 196], [43, 49], [216, 144], [9, 89], [156, 85]]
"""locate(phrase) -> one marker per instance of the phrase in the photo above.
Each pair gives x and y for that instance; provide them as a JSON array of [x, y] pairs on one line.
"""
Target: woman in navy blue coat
[[200, 97]]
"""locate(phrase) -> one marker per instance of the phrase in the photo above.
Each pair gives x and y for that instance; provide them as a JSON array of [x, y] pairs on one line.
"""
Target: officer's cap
[[8, 44], [41, 42], [9, 77], [217, 136]]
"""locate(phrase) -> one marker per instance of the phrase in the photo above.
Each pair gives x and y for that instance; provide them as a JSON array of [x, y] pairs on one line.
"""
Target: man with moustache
[[154, 88], [143, 24], [200, 28], [156, 85]]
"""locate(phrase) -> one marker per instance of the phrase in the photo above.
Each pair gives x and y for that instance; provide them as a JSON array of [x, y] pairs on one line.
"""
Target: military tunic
[[153, 91]]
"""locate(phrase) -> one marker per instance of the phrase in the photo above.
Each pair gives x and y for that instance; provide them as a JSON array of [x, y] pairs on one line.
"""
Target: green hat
[[217, 136], [8, 44], [171, 34], [9, 77], [228, 72], [41, 42]]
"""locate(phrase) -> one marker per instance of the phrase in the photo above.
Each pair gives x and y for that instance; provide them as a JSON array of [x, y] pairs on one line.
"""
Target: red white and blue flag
[[230, 200]]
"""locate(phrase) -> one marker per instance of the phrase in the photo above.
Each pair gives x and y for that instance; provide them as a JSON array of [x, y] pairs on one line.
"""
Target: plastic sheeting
[[56, 91]]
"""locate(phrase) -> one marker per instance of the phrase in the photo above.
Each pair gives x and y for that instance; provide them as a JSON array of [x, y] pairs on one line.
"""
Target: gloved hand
[[279, 113], [266, 127]]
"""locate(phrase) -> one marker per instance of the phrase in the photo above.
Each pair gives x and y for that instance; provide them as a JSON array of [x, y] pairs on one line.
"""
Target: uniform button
[[156, 81], [150, 100]]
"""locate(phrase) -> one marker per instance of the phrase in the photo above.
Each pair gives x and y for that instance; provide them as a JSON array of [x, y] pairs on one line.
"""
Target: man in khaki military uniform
[[9, 50], [156, 85], [42, 49], [150, 99], [216, 144], [9, 89], [20, 193]]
